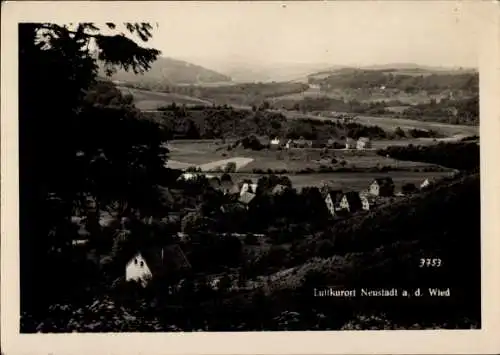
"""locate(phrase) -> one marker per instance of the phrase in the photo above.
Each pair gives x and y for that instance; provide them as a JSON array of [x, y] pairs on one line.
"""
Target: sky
[[334, 33]]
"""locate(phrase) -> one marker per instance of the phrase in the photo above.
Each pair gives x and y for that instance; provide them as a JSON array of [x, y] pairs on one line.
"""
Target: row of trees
[[221, 122], [458, 111], [461, 156]]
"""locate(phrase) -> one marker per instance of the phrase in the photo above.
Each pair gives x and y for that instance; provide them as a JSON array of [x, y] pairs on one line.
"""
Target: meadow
[[210, 155], [146, 100], [352, 181]]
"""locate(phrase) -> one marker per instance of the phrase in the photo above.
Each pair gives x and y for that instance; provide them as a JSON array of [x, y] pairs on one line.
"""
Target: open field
[[150, 100], [211, 156], [351, 181], [392, 123]]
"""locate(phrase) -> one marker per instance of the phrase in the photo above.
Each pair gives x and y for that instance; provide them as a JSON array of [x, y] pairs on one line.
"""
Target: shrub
[[230, 167]]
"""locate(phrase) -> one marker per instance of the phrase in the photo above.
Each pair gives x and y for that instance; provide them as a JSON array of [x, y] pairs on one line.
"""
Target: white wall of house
[[137, 269], [363, 145], [344, 204], [365, 203], [375, 189], [425, 183], [247, 187], [330, 205]]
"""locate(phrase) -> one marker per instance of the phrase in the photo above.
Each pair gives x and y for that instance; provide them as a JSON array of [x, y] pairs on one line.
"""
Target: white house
[[332, 198], [248, 188], [147, 263], [365, 203], [351, 201], [288, 144], [275, 141], [363, 143]]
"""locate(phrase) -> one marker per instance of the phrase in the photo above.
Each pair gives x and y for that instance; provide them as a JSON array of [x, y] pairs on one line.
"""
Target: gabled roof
[[335, 194], [353, 199], [249, 187], [350, 140], [172, 258], [364, 139], [246, 198]]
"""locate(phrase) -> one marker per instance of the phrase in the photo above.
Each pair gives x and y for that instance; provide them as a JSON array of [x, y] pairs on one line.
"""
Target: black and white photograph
[[250, 167]]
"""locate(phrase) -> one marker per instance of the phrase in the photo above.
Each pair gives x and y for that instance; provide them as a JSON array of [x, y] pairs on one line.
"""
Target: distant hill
[[277, 72], [406, 77], [172, 71], [393, 68]]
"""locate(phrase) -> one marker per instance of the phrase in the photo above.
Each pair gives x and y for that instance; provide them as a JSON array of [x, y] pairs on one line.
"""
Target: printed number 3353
[[427, 262]]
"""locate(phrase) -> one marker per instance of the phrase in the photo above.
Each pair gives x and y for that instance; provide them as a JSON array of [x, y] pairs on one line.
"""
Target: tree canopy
[[79, 137]]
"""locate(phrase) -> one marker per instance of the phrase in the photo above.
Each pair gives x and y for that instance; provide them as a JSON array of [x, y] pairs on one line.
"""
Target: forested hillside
[[165, 71], [432, 82]]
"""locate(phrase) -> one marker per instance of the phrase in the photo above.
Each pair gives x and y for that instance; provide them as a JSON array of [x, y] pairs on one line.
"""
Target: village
[[234, 195], [163, 193]]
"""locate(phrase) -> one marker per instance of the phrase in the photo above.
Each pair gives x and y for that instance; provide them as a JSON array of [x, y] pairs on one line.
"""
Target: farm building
[[350, 143], [351, 202], [150, 262], [382, 187], [363, 143]]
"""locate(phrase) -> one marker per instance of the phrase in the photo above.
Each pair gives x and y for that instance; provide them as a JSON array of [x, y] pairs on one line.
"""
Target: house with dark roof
[[332, 199], [351, 201], [382, 187], [154, 261], [247, 187]]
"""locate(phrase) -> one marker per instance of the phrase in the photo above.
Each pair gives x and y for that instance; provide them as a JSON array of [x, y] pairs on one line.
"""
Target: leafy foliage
[[82, 146], [462, 156]]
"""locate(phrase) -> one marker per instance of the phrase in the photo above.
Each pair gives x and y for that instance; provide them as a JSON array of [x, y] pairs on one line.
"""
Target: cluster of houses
[[145, 263], [339, 203], [350, 143]]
